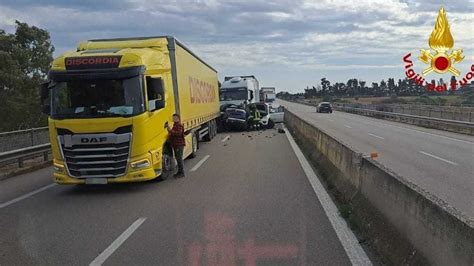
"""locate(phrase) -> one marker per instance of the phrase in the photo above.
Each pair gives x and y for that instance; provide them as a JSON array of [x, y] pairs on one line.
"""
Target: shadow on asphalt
[[113, 188]]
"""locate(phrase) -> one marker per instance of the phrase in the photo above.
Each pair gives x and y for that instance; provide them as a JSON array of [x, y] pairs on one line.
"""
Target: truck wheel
[[194, 146], [214, 127], [167, 164], [211, 130], [208, 137]]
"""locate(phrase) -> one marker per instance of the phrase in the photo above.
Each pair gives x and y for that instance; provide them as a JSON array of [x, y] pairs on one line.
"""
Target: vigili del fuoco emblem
[[441, 41]]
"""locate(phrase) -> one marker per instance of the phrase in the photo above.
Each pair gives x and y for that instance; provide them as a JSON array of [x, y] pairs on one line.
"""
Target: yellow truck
[[110, 101]]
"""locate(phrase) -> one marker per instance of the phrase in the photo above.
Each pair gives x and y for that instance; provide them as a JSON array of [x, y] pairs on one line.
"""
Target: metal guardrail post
[[32, 137]]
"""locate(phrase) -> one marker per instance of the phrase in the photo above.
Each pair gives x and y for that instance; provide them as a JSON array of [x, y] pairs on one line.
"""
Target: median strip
[[199, 163], [117, 243]]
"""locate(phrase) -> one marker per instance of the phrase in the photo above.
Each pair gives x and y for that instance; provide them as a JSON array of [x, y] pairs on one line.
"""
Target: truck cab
[[267, 94], [239, 89]]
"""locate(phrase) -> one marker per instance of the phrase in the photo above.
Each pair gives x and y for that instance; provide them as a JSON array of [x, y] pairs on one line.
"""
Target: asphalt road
[[246, 200], [438, 161]]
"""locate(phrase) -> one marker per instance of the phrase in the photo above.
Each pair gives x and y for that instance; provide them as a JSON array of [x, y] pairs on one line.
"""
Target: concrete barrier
[[407, 225]]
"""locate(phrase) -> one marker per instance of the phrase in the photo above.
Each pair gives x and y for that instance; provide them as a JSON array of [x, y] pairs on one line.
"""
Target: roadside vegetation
[[402, 92], [25, 58]]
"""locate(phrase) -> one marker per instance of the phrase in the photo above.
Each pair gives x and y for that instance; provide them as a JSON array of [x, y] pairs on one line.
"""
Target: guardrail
[[443, 112], [18, 139], [429, 122], [20, 155]]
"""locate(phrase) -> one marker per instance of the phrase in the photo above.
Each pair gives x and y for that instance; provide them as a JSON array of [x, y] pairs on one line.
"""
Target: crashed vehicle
[[236, 118]]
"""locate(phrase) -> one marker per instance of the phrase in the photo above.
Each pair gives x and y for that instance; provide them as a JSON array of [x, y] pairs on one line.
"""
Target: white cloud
[[337, 38]]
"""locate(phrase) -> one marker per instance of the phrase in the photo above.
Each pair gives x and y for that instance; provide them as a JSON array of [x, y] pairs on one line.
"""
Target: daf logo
[[93, 140]]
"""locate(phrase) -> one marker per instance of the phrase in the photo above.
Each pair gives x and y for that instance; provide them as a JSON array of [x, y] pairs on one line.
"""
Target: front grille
[[96, 155]]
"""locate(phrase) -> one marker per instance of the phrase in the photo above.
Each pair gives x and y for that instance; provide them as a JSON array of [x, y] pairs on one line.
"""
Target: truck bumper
[[132, 176]]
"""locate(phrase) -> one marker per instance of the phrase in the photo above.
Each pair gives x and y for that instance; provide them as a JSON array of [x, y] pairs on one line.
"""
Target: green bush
[[393, 99]]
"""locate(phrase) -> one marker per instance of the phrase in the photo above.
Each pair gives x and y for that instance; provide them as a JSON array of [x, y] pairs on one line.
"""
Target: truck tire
[[208, 137], [214, 128], [167, 163], [194, 147], [211, 130]]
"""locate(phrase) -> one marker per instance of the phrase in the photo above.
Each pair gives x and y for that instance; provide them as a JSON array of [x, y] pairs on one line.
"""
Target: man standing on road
[[178, 143]]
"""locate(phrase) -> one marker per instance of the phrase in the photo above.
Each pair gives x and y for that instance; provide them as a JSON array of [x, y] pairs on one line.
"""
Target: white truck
[[239, 89], [267, 94]]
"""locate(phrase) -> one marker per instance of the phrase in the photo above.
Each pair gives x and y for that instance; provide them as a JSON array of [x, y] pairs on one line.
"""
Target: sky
[[287, 44]]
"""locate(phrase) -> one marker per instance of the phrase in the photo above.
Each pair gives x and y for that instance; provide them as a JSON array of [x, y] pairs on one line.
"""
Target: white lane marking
[[373, 135], [5, 204], [436, 135], [330, 119], [347, 126], [117, 242], [354, 250], [226, 138], [439, 158], [200, 163], [369, 119]]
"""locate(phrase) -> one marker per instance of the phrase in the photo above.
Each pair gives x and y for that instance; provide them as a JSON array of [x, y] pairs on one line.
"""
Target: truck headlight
[[140, 164], [58, 168]]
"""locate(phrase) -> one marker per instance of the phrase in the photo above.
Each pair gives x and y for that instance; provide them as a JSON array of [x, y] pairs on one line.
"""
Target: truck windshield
[[97, 98], [231, 94]]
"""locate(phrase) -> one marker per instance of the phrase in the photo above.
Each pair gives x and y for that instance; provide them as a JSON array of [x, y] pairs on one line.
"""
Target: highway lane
[[438, 161], [247, 199]]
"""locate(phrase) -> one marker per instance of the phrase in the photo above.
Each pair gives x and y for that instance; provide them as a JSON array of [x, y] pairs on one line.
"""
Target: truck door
[[160, 110]]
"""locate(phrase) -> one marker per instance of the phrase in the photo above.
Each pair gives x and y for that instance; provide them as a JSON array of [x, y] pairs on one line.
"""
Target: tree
[[383, 88], [391, 86], [362, 87], [375, 89], [25, 58], [325, 86], [352, 87], [309, 93], [452, 82]]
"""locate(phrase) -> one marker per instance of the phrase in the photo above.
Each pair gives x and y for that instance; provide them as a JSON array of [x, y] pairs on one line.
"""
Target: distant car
[[324, 107]]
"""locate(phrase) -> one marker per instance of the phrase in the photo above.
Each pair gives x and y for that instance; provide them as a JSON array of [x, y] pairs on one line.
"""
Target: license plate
[[96, 181]]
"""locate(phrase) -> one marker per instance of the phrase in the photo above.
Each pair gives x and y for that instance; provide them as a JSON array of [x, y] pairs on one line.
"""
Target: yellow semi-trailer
[[109, 102]]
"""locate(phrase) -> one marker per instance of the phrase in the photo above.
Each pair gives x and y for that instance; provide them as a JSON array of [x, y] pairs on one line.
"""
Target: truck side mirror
[[44, 98], [251, 95]]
